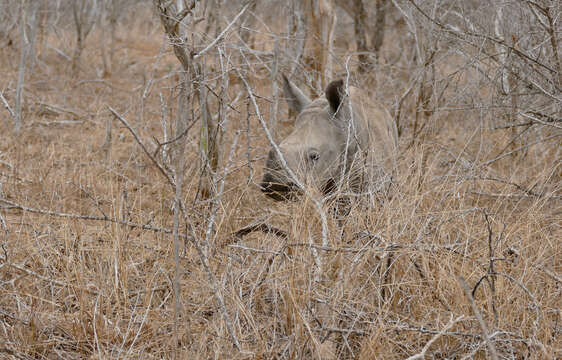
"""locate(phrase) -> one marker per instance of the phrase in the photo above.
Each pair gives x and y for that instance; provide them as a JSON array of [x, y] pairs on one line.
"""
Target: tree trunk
[[361, 36], [84, 14], [28, 15], [378, 31], [321, 25], [208, 142]]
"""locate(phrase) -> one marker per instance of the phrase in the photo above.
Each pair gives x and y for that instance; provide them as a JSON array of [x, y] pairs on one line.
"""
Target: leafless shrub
[[111, 11], [511, 46], [84, 15], [369, 28], [9, 20]]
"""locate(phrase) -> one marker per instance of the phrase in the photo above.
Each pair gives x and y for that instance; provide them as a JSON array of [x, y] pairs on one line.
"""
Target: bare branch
[[14, 205], [6, 105], [536, 119], [521, 148], [483, 327], [220, 36], [421, 355], [50, 280], [138, 140], [216, 289]]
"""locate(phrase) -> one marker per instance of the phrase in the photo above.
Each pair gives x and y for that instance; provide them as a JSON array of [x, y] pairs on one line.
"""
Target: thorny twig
[[13, 205], [3, 224], [48, 279], [490, 273], [499, 157], [94, 200], [483, 327], [536, 305], [220, 36], [550, 274], [501, 42], [160, 145], [518, 186], [139, 141], [215, 287], [202, 256], [537, 120], [421, 355], [6, 105]]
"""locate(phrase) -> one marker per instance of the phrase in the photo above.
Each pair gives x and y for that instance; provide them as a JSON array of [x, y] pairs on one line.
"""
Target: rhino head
[[315, 149]]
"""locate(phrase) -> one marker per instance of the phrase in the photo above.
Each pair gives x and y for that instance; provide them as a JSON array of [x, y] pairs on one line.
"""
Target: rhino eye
[[314, 156]]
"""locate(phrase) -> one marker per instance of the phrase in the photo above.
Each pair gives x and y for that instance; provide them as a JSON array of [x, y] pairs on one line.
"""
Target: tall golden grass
[[74, 287]]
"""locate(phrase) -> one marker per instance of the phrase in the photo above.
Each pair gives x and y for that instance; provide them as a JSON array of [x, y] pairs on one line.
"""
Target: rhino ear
[[334, 94], [296, 99]]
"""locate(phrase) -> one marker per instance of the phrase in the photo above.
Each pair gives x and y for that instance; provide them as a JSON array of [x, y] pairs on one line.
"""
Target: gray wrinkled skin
[[337, 139]]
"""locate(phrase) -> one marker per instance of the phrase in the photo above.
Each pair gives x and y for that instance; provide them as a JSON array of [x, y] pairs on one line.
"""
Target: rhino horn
[[296, 99]]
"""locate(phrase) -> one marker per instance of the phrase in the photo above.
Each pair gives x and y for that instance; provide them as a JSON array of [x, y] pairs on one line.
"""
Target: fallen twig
[[59, 109]]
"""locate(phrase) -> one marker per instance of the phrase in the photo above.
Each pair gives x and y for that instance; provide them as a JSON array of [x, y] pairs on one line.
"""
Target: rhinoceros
[[343, 137]]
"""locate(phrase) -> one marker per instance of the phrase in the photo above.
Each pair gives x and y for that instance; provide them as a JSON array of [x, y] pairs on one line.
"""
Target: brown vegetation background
[[88, 267]]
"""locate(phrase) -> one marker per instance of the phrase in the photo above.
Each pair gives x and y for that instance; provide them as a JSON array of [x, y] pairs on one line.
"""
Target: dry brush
[[108, 248]]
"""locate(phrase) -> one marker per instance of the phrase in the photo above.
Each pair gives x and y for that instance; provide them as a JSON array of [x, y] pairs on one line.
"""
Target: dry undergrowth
[[73, 287]]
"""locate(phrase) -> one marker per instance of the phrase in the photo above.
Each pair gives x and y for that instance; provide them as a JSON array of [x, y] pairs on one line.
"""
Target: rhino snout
[[276, 189]]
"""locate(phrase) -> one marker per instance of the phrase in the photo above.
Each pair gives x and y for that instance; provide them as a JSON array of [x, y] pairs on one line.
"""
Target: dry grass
[[79, 288]]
